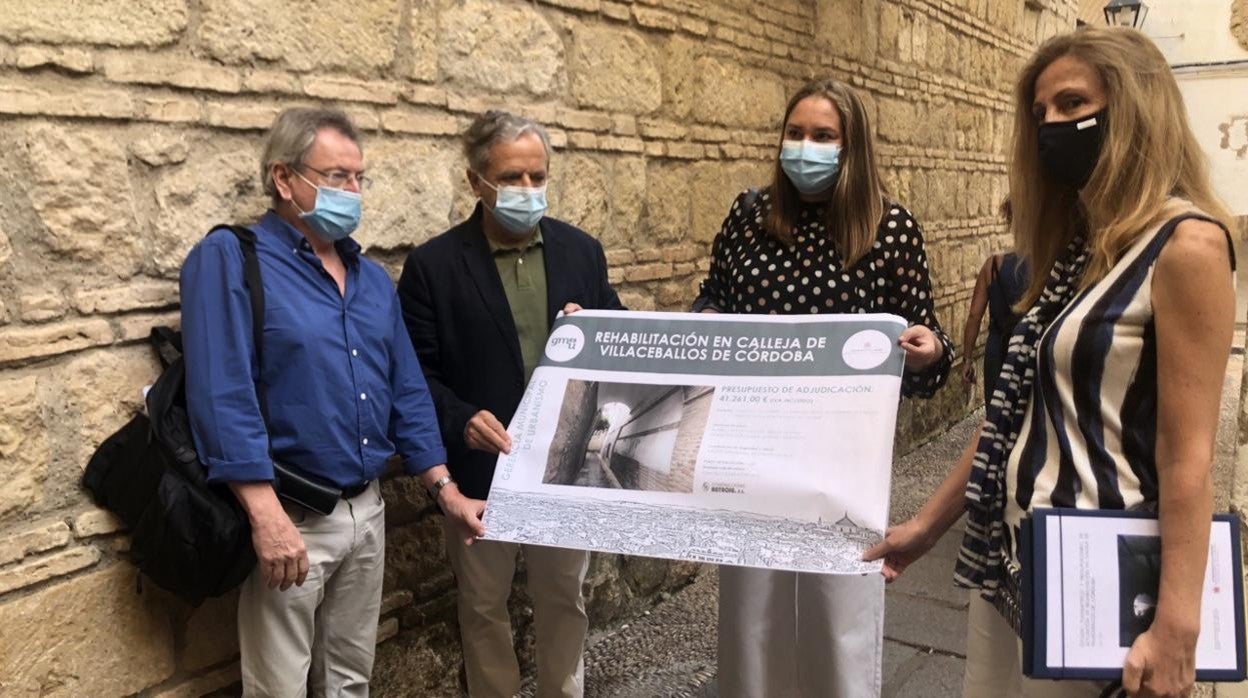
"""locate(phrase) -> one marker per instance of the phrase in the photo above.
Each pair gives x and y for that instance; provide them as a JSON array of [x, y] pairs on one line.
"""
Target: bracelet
[[439, 484]]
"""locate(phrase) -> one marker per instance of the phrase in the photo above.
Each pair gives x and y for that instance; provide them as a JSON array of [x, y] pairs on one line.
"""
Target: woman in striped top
[[1109, 394]]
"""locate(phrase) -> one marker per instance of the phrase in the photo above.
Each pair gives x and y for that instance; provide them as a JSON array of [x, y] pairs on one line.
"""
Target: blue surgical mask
[[811, 167], [336, 214], [518, 209]]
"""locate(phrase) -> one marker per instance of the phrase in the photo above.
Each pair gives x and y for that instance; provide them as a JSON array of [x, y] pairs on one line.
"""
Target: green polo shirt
[[523, 272]]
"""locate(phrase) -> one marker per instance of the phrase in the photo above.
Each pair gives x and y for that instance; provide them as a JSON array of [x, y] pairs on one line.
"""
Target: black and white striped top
[[1088, 438]]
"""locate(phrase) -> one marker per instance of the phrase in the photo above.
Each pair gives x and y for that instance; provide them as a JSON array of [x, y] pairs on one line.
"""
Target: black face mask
[[1069, 149]]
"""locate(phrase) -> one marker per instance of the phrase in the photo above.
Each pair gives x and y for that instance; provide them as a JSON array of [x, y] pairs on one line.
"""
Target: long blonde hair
[[857, 203], [1148, 154]]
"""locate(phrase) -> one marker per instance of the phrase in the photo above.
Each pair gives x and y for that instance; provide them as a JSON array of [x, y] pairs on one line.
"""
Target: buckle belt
[[357, 490]]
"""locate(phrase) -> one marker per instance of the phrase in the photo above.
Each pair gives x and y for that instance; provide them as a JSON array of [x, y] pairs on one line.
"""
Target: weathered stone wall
[[128, 127], [1239, 22], [645, 443], [697, 411]]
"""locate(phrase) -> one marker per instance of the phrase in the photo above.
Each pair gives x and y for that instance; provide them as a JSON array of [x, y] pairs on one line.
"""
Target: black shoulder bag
[[190, 537]]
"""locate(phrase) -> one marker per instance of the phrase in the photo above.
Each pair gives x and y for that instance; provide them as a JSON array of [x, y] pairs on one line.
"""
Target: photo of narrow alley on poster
[[755, 441]]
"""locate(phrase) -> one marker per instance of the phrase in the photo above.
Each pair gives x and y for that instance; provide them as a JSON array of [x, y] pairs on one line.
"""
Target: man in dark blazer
[[479, 301]]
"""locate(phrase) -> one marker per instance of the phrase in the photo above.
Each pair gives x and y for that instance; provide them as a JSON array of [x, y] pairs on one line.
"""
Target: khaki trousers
[[994, 666], [799, 635], [324, 632], [483, 574]]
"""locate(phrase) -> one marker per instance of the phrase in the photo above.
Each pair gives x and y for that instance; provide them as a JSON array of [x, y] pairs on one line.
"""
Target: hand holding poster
[[756, 441]]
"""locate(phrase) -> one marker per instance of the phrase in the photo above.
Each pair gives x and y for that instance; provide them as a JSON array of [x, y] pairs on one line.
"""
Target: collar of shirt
[[813, 208], [290, 236], [496, 249]]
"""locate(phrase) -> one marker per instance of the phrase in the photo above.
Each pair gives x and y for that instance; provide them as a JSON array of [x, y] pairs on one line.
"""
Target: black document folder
[[1090, 581]]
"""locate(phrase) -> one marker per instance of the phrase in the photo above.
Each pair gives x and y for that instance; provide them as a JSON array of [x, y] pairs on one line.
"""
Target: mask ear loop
[[292, 198], [309, 183], [481, 178]]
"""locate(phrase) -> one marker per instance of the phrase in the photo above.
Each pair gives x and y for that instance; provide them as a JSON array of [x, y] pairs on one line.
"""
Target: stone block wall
[[642, 453], [697, 410], [129, 127]]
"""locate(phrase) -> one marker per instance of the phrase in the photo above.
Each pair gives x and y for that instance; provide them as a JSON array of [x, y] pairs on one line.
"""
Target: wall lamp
[[1125, 13]]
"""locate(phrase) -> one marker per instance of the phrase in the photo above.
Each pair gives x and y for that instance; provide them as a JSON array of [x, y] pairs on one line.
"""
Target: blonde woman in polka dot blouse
[[821, 238]]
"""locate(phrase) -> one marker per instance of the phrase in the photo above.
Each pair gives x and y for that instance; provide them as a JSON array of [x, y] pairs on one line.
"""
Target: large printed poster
[[762, 441]]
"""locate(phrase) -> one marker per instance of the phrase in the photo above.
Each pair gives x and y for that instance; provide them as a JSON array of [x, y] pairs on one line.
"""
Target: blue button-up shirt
[[343, 385]]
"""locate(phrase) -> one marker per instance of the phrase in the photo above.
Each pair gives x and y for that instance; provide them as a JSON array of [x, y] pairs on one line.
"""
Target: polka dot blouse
[[752, 272]]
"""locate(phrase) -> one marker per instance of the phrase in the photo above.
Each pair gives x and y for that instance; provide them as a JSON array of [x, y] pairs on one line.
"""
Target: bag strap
[[255, 291], [751, 196], [166, 343], [251, 277]]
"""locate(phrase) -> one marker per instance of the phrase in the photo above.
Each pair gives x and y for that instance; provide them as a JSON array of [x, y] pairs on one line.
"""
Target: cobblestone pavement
[[670, 650]]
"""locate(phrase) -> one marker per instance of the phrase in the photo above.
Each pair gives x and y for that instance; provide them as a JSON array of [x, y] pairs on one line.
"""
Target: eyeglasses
[[339, 179]]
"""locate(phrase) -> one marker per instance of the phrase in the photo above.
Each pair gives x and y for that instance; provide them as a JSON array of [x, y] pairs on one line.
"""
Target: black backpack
[[190, 537]]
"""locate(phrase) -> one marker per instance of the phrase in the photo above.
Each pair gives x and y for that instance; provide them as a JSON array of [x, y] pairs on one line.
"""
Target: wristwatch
[[439, 484]]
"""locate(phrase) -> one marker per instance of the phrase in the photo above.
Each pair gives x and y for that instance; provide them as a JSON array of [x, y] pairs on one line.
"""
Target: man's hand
[[485, 433], [280, 552], [463, 513], [922, 347]]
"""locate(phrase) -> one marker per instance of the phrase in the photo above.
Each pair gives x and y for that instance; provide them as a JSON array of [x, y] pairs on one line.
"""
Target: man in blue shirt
[[343, 392]]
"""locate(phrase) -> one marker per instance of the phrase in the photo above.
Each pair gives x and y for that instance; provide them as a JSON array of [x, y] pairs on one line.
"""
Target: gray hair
[[292, 135], [497, 126]]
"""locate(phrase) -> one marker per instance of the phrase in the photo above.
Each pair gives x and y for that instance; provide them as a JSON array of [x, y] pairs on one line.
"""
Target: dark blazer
[[460, 323]]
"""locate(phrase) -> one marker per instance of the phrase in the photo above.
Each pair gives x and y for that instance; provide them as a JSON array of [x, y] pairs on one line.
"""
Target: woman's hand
[[922, 347], [1161, 663], [569, 308], [903, 544], [968, 372]]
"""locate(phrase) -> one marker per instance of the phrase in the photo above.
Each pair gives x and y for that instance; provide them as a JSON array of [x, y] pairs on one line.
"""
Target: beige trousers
[[994, 666], [799, 635], [324, 632], [483, 574]]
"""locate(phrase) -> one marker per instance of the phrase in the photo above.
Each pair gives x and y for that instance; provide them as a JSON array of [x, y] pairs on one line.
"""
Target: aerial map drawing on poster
[[763, 441]]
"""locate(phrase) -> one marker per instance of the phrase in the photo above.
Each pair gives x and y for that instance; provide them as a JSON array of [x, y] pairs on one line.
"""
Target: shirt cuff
[[240, 470], [924, 384], [419, 463], [703, 302]]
